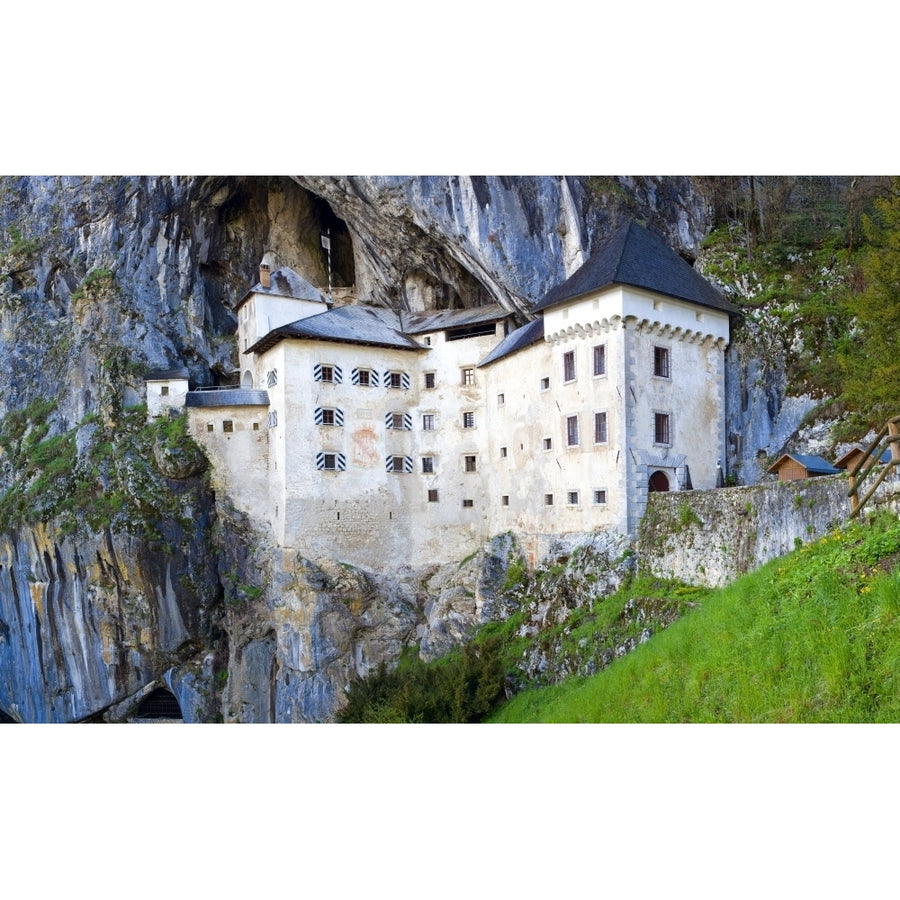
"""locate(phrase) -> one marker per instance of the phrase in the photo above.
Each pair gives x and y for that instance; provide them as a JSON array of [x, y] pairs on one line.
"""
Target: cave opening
[[160, 703], [5, 718], [343, 271]]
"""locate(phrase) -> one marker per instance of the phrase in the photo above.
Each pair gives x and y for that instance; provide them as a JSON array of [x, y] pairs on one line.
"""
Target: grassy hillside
[[811, 637]]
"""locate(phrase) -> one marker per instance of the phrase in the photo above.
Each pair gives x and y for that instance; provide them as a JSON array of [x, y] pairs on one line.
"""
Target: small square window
[[330, 463], [210, 426], [600, 496], [428, 341], [572, 431], [504, 500], [428, 422], [256, 426], [164, 390], [503, 453], [569, 365], [228, 426], [501, 399], [397, 421], [661, 362], [328, 417], [548, 443], [548, 499], [468, 503], [365, 378], [428, 465], [327, 373], [429, 379], [468, 376], [395, 380], [468, 420], [432, 495], [572, 498], [600, 359], [470, 464], [396, 463], [545, 384]]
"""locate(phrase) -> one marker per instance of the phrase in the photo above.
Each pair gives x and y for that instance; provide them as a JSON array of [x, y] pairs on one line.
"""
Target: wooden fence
[[888, 436]]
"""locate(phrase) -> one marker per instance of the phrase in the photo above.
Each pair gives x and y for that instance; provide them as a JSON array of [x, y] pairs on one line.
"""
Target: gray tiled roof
[[522, 337], [227, 397], [285, 282], [815, 465], [371, 325], [640, 258], [167, 374], [419, 323]]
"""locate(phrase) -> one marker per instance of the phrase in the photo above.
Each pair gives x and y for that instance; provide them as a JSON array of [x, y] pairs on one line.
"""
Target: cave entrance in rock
[[343, 270], [6, 719], [160, 703], [659, 483]]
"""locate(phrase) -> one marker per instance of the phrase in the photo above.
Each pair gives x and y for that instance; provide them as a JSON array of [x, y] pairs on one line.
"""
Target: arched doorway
[[247, 381], [659, 481], [159, 704]]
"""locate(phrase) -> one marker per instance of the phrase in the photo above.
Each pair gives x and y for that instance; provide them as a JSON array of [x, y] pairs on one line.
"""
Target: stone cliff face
[[102, 279]]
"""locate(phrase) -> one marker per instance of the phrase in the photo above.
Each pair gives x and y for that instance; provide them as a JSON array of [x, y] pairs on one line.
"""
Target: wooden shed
[[796, 467]]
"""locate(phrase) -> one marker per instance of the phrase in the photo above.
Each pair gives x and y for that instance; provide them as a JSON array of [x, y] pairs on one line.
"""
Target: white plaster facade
[[473, 435]]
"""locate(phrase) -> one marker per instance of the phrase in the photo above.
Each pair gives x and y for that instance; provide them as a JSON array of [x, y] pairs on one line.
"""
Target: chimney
[[265, 279]]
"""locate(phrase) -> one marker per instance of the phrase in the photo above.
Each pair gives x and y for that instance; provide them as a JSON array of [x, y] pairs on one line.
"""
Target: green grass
[[811, 637]]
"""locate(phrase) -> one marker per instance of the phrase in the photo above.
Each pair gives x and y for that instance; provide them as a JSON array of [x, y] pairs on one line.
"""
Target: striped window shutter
[[373, 378], [338, 375], [388, 420], [407, 464], [271, 378], [338, 416], [273, 419], [317, 371], [339, 458], [407, 422], [354, 376]]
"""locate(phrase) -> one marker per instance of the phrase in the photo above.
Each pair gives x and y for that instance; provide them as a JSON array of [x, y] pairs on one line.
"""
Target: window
[[468, 420], [429, 380], [572, 431], [228, 426], [330, 462], [548, 443], [548, 499], [468, 376], [432, 495], [504, 500], [428, 465], [569, 365], [662, 429], [398, 464], [572, 498], [545, 384], [661, 362], [273, 419], [398, 421], [600, 429], [428, 422], [470, 464], [428, 341], [327, 373], [468, 503], [210, 426], [364, 378], [328, 417], [503, 453], [164, 390], [600, 496], [271, 378], [600, 359], [397, 380], [501, 399], [256, 426]]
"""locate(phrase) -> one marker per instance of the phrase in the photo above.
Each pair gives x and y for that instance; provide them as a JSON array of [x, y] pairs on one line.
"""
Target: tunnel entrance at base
[[659, 482], [6, 719], [159, 704]]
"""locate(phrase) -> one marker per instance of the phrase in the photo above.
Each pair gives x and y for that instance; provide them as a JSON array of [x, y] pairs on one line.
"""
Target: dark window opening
[[661, 362], [159, 704], [470, 331]]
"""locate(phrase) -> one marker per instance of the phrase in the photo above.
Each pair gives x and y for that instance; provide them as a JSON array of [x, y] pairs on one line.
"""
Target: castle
[[367, 435]]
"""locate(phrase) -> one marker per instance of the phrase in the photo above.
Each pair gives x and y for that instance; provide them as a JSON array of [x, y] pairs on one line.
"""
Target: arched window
[[659, 481], [159, 704], [247, 381]]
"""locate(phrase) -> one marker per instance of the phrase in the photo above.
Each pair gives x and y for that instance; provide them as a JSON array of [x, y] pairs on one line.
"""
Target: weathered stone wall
[[711, 537]]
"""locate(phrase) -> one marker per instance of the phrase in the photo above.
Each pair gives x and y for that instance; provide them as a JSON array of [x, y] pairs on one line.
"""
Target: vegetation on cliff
[[810, 637]]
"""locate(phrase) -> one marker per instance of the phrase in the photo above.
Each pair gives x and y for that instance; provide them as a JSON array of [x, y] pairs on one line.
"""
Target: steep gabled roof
[[516, 340], [285, 282], [370, 325], [635, 256]]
